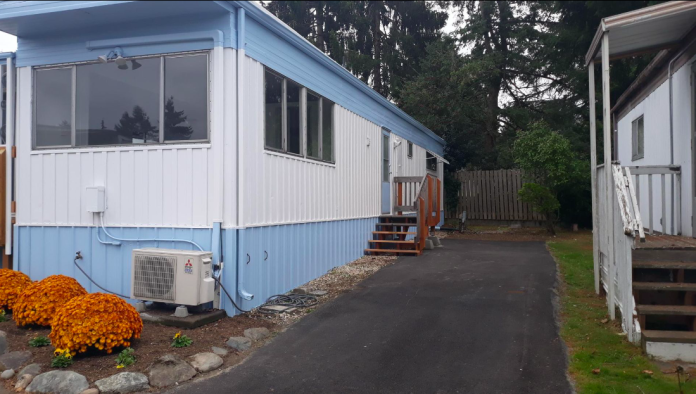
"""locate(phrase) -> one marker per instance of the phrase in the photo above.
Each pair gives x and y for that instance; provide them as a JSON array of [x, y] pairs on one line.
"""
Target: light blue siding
[[45, 251], [295, 253]]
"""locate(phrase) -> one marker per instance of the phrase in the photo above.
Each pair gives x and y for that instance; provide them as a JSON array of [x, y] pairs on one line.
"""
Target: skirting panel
[[268, 260], [276, 259], [45, 251]]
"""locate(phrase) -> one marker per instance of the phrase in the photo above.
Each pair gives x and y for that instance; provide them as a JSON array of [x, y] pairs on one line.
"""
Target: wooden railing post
[[438, 203], [400, 195]]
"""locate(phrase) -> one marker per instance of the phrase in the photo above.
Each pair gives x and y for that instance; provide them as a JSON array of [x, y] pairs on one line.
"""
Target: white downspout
[[240, 153], [9, 144]]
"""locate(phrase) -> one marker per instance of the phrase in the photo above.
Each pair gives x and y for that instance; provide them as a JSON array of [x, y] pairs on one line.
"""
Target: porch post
[[608, 173], [593, 169]]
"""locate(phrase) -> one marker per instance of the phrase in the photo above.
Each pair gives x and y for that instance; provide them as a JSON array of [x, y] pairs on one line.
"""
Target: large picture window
[[142, 101], [297, 121]]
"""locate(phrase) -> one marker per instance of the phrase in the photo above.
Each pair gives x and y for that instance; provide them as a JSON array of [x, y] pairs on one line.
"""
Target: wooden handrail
[[426, 201]]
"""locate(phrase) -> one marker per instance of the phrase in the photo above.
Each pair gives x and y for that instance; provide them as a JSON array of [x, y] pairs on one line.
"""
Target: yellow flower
[[119, 366], [178, 335]]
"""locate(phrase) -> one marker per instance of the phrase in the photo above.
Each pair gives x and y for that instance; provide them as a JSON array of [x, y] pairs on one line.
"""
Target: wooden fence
[[492, 195]]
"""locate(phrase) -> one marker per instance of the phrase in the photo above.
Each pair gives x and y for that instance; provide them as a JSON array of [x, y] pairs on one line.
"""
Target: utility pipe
[[671, 125]]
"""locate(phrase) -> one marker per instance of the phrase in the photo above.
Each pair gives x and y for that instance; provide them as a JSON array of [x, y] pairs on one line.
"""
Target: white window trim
[[426, 163], [73, 66]]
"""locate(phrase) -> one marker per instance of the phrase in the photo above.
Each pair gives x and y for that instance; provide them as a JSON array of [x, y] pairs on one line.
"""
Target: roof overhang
[[646, 30]]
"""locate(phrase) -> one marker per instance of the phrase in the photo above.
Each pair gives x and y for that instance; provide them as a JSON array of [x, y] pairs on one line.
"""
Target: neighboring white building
[[209, 122], [644, 202]]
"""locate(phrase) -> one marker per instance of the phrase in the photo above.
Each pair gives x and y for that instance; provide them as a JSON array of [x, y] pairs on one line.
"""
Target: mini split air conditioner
[[182, 277]]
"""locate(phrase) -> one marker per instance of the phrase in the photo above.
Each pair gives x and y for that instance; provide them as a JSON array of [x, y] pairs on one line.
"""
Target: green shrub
[[39, 342], [61, 358], [181, 340], [125, 358]]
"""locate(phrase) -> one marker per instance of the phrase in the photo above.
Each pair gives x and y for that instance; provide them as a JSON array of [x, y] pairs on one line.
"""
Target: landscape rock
[[124, 382], [3, 342], [14, 360], [300, 290], [168, 370], [318, 293], [239, 343], [204, 362], [31, 369], [60, 382], [257, 334], [219, 351], [23, 382], [7, 374], [90, 391]]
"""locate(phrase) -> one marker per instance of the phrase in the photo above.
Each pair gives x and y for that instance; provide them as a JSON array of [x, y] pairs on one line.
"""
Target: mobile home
[[183, 125], [644, 192]]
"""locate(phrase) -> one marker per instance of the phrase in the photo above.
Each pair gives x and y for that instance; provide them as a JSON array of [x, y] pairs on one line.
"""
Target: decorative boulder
[[204, 362], [239, 343], [257, 334], [168, 370], [60, 382], [14, 360], [124, 382]]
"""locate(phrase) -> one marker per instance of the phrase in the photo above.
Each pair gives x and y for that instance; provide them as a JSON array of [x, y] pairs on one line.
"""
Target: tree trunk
[[320, 26], [377, 48]]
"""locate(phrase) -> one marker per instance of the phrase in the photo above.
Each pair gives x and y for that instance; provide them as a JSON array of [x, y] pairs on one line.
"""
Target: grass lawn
[[593, 344]]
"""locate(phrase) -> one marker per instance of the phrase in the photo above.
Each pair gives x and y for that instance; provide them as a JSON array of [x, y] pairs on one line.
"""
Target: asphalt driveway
[[471, 317]]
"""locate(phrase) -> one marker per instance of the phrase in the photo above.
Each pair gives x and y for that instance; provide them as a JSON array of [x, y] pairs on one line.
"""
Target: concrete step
[[681, 310], [669, 336], [667, 286], [677, 265]]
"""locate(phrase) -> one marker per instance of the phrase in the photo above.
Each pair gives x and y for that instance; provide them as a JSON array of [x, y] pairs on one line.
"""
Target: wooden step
[[682, 310], [398, 218], [396, 224], [678, 265], [668, 286], [395, 251], [669, 336], [395, 232], [389, 241]]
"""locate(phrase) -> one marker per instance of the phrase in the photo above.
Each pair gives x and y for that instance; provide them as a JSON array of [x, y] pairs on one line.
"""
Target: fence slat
[[492, 195]]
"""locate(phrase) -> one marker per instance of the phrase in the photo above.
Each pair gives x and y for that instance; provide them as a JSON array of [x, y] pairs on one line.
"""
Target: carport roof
[[645, 30]]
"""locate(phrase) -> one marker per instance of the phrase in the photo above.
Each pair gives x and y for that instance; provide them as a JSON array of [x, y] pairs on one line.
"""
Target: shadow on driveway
[[471, 317]]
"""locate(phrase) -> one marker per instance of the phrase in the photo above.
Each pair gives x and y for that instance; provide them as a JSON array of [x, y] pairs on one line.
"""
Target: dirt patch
[[156, 339]]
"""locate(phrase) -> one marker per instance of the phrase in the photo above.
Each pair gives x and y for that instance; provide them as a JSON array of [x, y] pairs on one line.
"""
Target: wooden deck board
[[667, 242]]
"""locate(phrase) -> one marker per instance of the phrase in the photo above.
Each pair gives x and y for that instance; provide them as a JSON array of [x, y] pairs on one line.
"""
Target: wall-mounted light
[[117, 56]]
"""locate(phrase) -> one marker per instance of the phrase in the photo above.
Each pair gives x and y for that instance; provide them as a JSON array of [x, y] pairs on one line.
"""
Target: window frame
[[73, 66], [427, 169], [303, 122], [409, 149], [635, 145]]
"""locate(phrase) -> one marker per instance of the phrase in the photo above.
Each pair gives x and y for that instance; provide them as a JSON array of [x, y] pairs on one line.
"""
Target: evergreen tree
[[175, 127], [136, 126]]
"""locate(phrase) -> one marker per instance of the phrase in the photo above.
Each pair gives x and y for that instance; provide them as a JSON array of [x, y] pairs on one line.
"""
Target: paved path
[[472, 317]]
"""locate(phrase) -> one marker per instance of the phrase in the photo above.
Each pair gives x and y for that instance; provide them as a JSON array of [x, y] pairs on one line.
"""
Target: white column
[[593, 169], [9, 143], [606, 104]]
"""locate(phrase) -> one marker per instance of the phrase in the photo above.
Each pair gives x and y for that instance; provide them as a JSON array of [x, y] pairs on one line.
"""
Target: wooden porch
[[416, 211]]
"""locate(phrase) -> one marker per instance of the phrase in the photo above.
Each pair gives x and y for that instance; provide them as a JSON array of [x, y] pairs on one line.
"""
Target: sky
[[8, 42]]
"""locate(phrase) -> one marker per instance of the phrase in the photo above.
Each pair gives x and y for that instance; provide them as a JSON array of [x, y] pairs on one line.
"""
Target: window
[[143, 101], [410, 150], [430, 162], [53, 100], [385, 158], [298, 121], [638, 134]]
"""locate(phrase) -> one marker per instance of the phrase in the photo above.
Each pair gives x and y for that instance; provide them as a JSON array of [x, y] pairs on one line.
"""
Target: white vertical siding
[[282, 189], [655, 112], [152, 186], [408, 166]]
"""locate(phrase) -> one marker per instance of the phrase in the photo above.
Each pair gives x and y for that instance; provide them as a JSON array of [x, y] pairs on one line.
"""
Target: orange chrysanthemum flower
[[12, 283], [100, 321], [38, 302]]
